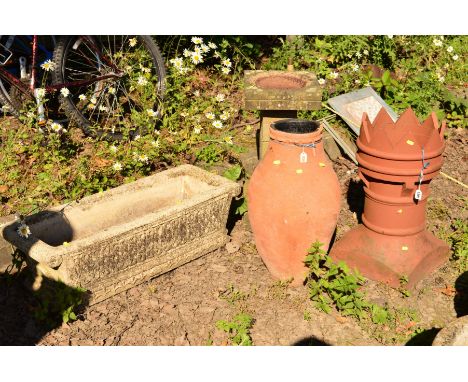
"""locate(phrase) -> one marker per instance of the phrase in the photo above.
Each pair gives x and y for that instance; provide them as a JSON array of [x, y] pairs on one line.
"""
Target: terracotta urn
[[294, 198], [397, 161]]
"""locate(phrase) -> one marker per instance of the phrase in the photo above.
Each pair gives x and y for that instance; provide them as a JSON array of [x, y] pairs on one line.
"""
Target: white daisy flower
[[455, 57], [390, 36], [212, 45], [217, 124], [48, 66], [117, 166], [113, 148], [321, 81], [450, 49], [196, 93], [142, 81], [145, 70], [143, 158], [197, 40], [82, 97], [357, 82], [151, 113], [354, 67], [358, 54], [57, 127], [23, 230], [204, 48], [437, 42], [187, 53], [155, 143], [40, 93], [333, 75], [224, 116], [210, 115], [228, 140], [366, 52], [65, 92], [137, 137], [197, 130], [102, 108], [196, 58], [220, 97], [225, 70], [177, 62], [226, 62], [93, 100], [132, 42]]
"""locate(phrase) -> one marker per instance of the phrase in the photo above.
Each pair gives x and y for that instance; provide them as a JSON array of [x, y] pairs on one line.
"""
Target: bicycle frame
[[30, 91]]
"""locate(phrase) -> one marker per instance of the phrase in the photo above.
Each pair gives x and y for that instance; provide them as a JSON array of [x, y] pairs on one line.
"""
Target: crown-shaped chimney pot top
[[406, 137]]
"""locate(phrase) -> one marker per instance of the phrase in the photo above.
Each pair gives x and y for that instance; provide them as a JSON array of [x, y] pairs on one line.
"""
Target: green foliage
[[238, 329], [426, 73], [233, 173], [402, 289], [233, 295], [330, 283], [57, 302], [459, 244]]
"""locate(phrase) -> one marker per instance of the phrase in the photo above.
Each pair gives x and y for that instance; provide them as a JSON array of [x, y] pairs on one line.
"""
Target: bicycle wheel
[[115, 83]]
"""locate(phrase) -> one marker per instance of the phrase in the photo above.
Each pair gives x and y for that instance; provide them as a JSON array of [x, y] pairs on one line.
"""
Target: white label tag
[[303, 157], [418, 195]]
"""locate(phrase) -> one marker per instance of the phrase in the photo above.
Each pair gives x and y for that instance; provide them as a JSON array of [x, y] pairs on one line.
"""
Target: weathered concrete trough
[[112, 241]]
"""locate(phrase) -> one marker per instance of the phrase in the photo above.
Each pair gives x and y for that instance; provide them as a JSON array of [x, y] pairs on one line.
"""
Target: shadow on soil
[[355, 198], [31, 304], [460, 302], [310, 341], [461, 297]]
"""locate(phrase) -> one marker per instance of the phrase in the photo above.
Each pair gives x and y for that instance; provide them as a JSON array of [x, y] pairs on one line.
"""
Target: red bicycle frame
[[29, 91]]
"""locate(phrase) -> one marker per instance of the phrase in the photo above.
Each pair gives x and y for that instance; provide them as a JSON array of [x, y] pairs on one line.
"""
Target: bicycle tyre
[[6, 101], [75, 59]]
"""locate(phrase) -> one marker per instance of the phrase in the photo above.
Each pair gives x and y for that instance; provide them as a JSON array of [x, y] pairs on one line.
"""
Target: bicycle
[[109, 86]]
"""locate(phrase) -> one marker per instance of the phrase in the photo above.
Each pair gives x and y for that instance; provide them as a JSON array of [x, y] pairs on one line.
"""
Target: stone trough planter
[[112, 241]]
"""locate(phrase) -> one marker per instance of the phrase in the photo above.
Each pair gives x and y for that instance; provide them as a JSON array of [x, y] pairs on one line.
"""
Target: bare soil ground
[[182, 307]]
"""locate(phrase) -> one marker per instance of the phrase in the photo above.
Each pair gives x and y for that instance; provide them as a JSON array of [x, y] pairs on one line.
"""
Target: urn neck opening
[[299, 131], [296, 126]]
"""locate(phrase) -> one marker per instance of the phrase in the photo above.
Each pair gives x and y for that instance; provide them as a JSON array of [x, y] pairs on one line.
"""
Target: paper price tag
[[418, 195], [303, 157]]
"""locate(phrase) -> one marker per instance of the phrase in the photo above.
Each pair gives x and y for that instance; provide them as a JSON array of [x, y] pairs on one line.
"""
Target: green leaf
[[233, 173], [386, 78]]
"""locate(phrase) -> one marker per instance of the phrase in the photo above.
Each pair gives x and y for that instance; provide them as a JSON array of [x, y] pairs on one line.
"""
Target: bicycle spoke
[[119, 99]]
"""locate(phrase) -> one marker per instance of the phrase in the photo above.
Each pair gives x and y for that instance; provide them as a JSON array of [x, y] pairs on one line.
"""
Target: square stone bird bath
[[117, 239]]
